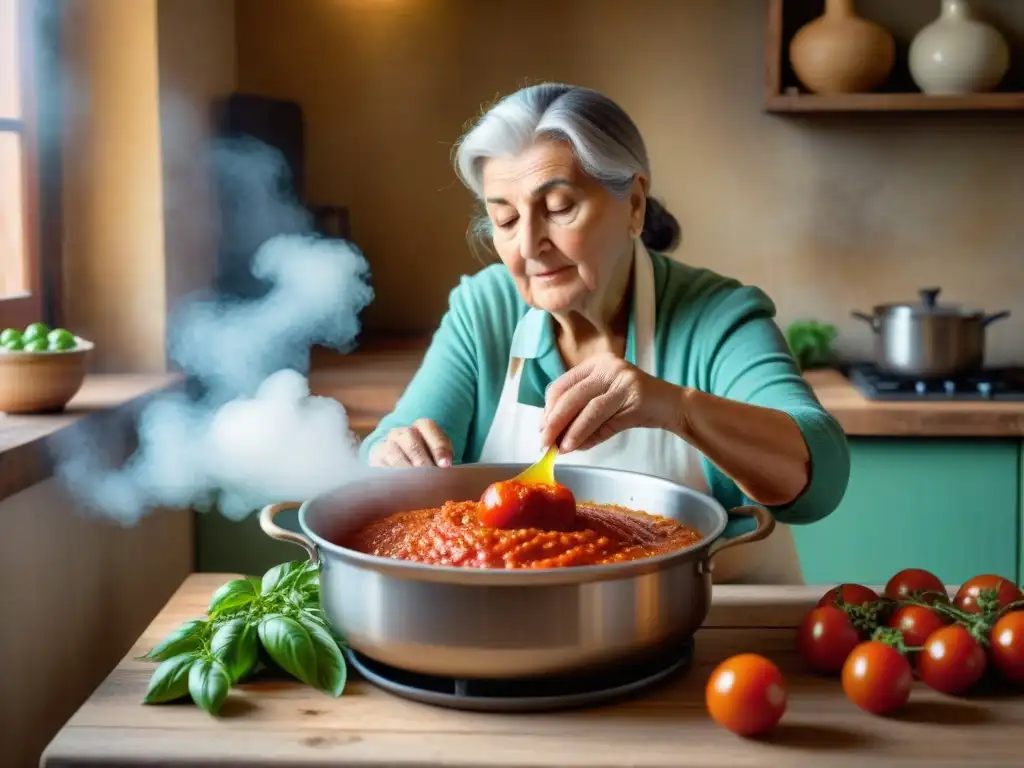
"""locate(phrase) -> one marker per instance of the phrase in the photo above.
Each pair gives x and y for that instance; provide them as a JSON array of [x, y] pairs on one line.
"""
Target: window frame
[[37, 19]]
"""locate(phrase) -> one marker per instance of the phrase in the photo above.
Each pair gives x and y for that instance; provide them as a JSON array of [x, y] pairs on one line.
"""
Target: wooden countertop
[[103, 404], [369, 382], [284, 723]]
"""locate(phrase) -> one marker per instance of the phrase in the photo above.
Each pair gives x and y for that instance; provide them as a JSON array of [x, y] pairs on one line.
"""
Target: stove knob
[[985, 388], [921, 387], [949, 386]]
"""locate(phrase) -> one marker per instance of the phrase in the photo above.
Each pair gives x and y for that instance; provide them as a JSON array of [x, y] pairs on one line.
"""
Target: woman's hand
[[421, 445], [603, 396]]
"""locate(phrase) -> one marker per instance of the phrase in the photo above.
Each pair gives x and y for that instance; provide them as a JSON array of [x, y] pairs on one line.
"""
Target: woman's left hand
[[603, 396]]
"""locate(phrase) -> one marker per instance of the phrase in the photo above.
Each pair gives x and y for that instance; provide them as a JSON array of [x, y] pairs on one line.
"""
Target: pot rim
[[539, 576], [954, 311]]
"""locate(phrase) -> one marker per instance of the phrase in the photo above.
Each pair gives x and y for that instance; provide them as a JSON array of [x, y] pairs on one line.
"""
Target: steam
[[246, 431]]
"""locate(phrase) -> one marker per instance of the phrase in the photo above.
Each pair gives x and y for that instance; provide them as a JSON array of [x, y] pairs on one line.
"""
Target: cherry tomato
[[1007, 646], [511, 504], [951, 661], [916, 582], [916, 623], [746, 694], [825, 638], [853, 594], [877, 677], [970, 591]]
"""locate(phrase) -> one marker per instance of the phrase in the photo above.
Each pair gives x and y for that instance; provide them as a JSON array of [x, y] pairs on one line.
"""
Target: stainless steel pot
[[472, 623], [929, 339]]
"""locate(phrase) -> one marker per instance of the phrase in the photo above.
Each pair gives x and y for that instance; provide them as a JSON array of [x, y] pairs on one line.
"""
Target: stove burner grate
[[538, 694], [1005, 384]]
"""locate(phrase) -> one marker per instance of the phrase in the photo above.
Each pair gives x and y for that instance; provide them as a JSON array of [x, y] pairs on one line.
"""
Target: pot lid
[[928, 304]]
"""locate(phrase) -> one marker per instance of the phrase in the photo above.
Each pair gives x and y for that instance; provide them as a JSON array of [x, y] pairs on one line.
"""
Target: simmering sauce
[[453, 535]]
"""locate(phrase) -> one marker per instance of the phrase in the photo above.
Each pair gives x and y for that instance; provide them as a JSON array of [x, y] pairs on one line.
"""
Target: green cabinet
[[949, 505], [229, 546]]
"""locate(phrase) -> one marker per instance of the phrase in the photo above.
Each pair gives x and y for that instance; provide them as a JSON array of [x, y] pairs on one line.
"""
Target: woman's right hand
[[421, 445]]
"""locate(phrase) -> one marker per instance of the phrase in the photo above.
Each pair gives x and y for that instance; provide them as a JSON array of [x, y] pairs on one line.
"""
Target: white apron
[[515, 437]]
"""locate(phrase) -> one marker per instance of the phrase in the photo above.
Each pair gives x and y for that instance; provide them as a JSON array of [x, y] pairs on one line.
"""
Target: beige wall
[[112, 197], [77, 594], [138, 218], [196, 42], [826, 215]]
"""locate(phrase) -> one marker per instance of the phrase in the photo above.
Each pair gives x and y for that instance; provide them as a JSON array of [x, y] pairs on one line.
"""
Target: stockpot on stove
[[928, 339], [491, 623]]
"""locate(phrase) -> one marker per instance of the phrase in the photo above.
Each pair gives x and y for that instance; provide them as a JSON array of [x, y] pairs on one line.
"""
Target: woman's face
[[563, 237]]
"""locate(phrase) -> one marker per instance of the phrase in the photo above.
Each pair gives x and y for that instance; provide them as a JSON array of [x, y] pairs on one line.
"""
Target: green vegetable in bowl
[[37, 337], [60, 339], [278, 614], [35, 331], [36, 345]]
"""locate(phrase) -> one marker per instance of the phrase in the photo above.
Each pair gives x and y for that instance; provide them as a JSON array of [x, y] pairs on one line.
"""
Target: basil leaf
[[209, 683], [170, 680], [308, 577], [331, 671], [278, 577], [186, 638], [235, 645], [289, 645], [232, 595]]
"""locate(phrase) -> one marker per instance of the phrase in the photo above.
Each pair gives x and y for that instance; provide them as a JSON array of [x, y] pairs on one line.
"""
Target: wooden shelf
[[783, 96], [893, 102]]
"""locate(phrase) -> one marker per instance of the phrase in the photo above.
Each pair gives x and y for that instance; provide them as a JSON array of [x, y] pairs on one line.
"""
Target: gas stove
[[539, 694], [988, 384]]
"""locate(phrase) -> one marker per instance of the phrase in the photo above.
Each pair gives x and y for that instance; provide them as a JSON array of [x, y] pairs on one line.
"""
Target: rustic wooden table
[[280, 723]]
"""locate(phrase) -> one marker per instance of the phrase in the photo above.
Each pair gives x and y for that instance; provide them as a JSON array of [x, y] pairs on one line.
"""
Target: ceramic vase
[[958, 54], [841, 52]]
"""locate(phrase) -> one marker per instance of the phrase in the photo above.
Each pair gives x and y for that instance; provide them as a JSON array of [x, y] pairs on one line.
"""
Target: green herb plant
[[251, 624], [810, 343]]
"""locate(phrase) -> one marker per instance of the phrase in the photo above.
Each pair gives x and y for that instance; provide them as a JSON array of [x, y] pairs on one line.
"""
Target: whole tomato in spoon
[[515, 504]]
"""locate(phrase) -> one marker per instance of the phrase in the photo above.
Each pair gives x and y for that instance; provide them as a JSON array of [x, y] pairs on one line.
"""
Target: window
[[21, 275]]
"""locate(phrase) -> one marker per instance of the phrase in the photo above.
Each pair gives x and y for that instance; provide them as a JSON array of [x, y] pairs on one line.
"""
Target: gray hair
[[607, 145]]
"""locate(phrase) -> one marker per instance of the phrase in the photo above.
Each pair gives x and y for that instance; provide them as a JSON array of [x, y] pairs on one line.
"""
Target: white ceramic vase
[[958, 54]]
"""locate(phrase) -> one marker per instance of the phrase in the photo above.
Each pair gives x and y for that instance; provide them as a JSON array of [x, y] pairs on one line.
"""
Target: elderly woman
[[588, 335]]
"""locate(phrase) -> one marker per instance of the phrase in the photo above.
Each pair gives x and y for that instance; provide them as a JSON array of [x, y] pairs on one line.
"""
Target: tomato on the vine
[[1007, 646], [916, 582], [916, 623], [852, 594], [825, 638], [996, 590], [877, 677], [951, 661], [746, 694]]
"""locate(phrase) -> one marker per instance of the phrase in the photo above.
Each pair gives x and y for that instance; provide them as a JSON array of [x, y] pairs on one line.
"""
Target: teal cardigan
[[712, 334]]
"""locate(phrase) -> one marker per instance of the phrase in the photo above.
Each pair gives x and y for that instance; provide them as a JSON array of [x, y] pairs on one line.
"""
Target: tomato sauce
[[453, 535]]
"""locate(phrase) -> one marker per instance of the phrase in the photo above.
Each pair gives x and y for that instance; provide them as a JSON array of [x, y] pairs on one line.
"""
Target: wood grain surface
[[105, 404], [287, 724]]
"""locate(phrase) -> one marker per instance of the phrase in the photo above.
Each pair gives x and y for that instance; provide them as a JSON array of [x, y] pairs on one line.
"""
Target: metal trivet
[[537, 694]]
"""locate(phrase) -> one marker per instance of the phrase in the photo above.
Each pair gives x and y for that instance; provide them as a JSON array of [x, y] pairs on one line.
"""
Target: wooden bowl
[[41, 382]]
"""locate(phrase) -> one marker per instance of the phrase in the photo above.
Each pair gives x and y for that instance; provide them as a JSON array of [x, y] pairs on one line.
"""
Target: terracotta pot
[[958, 54], [840, 52]]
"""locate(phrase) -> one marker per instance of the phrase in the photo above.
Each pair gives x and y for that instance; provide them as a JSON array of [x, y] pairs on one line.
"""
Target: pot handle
[[873, 322], [765, 525], [275, 531], [989, 319]]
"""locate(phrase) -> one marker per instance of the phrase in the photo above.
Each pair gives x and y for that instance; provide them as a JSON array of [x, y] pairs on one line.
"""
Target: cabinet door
[[951, 506], [229, 546]]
